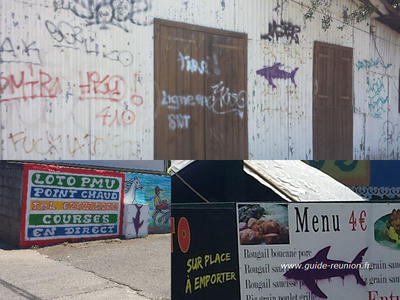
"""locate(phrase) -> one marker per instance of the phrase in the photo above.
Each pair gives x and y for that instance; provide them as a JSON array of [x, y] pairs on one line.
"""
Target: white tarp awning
[[297, 181]]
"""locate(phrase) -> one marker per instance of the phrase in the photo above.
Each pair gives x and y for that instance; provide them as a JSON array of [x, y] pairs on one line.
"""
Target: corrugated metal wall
[[78, 83]]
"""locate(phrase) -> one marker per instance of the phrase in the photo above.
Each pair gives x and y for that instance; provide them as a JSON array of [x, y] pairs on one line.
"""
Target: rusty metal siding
[[57, 124]]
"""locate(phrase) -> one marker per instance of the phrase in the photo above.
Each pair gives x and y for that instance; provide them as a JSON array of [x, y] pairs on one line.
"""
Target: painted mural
[[348, 172], [136, 218], [62, 204], [154, 190], [373, 180]]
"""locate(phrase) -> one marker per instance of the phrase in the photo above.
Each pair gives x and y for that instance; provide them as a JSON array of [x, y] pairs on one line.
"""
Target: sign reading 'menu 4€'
[[61, 204]]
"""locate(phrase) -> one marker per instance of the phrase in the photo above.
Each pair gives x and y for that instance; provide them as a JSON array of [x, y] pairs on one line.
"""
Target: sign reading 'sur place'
[[61, 203]]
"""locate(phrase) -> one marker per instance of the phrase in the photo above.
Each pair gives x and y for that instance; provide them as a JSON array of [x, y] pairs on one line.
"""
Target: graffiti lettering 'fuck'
[[284, 29], [75, 146]]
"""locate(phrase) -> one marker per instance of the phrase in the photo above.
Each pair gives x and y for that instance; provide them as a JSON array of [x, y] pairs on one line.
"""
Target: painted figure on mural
[[159, 204], [163, 212], [131, 186]]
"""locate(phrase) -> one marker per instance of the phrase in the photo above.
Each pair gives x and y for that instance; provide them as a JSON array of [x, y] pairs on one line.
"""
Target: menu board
[[319, 251], [61, 203]]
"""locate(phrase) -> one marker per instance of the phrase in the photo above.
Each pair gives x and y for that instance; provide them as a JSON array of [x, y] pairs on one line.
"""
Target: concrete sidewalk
[[117, 269]]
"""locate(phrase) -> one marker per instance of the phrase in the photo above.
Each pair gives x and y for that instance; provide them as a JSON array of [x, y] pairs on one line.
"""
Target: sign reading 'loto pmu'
[[61, 204]]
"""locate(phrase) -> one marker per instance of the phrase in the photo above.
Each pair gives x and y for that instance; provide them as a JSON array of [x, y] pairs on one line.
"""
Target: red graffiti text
[[95, 87], [29, 85]]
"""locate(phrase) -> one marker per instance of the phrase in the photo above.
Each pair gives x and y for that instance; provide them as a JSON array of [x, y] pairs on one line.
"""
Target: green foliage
[[326, 22], [361, 13]]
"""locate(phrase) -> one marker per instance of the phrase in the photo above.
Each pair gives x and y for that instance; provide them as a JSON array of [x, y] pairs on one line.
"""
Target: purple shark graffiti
[[136, 219], [274, 72], [310, 275]]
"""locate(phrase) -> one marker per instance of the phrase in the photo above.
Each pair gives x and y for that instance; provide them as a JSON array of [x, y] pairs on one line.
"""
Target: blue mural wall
[[154, 190], [375, 179]]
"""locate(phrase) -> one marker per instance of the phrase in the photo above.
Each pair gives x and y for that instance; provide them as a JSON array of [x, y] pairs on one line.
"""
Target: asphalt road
[[136, 269]]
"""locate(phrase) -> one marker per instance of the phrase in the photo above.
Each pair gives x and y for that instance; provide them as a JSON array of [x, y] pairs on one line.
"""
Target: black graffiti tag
[[284, 29], [109, 12]]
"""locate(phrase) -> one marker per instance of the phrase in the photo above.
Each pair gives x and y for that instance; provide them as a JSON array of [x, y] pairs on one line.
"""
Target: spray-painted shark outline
[[274, 72]]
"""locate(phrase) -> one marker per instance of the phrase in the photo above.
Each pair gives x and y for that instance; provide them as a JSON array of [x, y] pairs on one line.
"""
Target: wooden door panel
[[323, 101], [179, 123], [332, 104], [344, 103], [226, 122], [200, 93]]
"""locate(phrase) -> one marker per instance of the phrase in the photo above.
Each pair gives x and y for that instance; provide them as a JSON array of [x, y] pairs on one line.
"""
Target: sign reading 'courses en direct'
[[63, 203]]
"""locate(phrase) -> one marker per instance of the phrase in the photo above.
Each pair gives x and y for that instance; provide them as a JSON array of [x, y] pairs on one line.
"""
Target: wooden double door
[[200, 92]]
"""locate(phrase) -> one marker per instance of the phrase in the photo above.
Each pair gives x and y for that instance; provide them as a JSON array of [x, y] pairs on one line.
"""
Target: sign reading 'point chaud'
[[63, 203]]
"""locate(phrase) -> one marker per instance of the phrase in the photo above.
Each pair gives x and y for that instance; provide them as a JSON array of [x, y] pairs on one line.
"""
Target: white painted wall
[[117, 122]]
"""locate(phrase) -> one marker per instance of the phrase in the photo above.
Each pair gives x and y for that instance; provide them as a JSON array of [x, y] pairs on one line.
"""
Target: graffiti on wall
[[192, 65], [75, 145], [368, 64], [22, 51], [377, 97], [221, 101], [29, 84], [278, 53], [277, 31], [67, 36], [109, 12], [390, 134], [63, 203], [377, 94], [275, 72], [154, 190], [35, 83]]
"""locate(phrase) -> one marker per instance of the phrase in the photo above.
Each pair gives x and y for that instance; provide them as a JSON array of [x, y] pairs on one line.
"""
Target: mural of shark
[[310, 275], [137, 222], [274, 72]]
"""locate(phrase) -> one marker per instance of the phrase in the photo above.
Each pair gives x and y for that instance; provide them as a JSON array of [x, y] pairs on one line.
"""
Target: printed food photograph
[[387, 230], [263, 224]]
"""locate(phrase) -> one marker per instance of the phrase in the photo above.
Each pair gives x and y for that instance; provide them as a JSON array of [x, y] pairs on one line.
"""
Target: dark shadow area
[[5, 246], [219, 181]]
